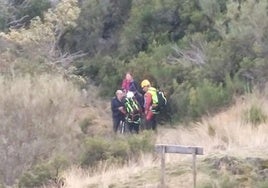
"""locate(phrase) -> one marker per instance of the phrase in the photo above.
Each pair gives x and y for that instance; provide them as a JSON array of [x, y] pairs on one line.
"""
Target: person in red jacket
[[129, 84], [150, 101]]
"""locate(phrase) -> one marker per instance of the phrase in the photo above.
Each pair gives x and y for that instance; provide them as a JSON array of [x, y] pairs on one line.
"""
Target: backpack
[[162, 101], [133, 110]]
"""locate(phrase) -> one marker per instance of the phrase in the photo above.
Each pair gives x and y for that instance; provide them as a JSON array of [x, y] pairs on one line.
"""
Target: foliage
[[95, 150], [255, 115], [4, 14], [33, 8], [17, 14], [207, 97], [97, 27], [38, 177], [179, 101], [42, 174], [118, 150], [192, 41], [37, 45], [102, 69], [84, 124], [141, 143]]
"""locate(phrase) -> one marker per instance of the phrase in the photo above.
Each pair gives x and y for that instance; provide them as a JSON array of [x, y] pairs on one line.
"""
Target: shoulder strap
[[153, 92]]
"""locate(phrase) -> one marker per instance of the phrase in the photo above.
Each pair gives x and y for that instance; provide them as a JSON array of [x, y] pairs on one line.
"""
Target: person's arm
[[147, 102], [113, 105], [117, 107], [122, 109]]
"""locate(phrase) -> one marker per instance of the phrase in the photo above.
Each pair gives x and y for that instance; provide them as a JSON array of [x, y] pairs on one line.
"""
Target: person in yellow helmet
[[150, 99]]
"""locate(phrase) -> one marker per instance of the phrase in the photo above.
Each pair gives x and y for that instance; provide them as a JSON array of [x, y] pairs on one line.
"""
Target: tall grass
[[229, 130], [36, 122]]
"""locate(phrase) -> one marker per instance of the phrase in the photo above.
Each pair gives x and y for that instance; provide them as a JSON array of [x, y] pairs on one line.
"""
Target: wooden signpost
[[161, 148]]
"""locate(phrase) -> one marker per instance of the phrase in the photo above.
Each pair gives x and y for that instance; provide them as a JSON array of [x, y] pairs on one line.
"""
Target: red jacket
[[149, 100], [125, 85]]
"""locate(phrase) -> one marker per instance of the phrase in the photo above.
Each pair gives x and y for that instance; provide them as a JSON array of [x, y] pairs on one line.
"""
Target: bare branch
[[194, 55], [18, 23], [66, 59]]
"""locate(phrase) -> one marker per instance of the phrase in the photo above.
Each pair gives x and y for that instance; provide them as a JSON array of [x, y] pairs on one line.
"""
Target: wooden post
[[177, 149], [194, 167], [163, 166]]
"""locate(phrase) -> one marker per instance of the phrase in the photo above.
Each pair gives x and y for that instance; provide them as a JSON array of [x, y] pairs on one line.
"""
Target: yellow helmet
[[145, 83]]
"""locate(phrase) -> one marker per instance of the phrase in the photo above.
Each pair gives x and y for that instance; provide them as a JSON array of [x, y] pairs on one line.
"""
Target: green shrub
[[141, 143], [254, 115], [119, 150], [207, 97], [34, 8], [96, 149], [103, 70], [235, 86], [179, 101], [116, 150], [34, 178], [84, 124], [43, 173], [58, 165]]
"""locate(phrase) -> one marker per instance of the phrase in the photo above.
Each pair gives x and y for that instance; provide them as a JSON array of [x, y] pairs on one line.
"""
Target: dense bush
[[39, 176], [205, 98], [4, 15], [115, 150], [33, 8], [43, 174], [85, 124], [96, 149]]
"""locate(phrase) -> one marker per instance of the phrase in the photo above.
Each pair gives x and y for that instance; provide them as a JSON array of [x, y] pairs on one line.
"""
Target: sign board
[[179, 149], [161, 148]]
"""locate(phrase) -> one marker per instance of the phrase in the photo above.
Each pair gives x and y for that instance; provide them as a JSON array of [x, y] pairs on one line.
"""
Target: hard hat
[[145, 83], [130, 94]]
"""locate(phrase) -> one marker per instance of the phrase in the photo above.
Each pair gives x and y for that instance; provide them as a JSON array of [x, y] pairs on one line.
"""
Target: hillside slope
[[235, 155]]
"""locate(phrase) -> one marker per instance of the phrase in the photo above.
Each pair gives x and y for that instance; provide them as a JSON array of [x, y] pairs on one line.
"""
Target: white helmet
[[130, 94]]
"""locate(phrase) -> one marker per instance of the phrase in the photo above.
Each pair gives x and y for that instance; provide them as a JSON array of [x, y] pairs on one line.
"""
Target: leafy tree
[[33, 8], [97, 27], [4, 15], [43, 37]]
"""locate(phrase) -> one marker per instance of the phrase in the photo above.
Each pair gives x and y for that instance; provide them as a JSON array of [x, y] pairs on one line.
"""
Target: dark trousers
[[116, 123], [151, 124], [134, 128]]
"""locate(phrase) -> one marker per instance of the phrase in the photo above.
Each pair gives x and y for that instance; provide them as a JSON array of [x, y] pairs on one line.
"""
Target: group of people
[[145, 98]]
